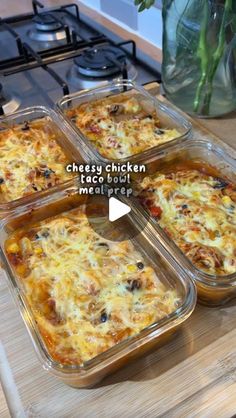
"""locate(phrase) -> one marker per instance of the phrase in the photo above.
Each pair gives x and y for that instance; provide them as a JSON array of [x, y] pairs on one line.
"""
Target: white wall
[[95, 4], [150, 25], [147, 24]]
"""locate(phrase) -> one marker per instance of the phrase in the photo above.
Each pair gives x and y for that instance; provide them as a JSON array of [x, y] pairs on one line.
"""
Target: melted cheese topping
[[198, 211], [87, 294], [119, 126], [31, 160]]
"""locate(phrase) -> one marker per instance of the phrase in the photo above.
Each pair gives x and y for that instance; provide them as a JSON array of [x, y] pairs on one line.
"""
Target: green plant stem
[[217, 55], [203, 54]]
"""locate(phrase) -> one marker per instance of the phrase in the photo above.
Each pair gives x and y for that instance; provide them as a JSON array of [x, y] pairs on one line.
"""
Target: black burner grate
[[100, 61]]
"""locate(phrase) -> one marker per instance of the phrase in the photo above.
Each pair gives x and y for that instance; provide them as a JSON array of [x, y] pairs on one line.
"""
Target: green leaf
[[149, 3], [144, 4], [142, 7]]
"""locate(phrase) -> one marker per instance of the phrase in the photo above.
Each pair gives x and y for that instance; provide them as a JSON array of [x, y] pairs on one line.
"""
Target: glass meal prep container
[[76, 317], [35, 147], [121, 121], [188, 193]]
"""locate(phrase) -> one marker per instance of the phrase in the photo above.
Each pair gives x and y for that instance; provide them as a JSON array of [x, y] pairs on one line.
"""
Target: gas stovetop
[[50, 53]]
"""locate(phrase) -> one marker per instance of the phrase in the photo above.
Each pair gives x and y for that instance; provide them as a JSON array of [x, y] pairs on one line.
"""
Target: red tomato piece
[[156, 211], [95, 129]]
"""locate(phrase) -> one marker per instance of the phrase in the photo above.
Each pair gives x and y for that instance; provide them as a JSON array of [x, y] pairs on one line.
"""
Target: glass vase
[[199, 55]]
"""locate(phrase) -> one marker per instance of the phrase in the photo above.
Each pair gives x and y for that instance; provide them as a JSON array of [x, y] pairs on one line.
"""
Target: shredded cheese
[[120, 126], [31, 160], [86, 293], [198, 211]]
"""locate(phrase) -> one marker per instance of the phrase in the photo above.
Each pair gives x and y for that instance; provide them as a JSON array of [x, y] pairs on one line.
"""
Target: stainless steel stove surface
[[49, 53]]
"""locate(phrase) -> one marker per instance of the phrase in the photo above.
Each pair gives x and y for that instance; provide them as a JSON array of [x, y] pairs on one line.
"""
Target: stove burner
[[46, 22], [100, 62], [8, 102], [81, 82], [47, 28]]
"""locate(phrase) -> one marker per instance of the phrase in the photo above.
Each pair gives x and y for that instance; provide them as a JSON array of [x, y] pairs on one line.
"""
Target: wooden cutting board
[[193, 376]]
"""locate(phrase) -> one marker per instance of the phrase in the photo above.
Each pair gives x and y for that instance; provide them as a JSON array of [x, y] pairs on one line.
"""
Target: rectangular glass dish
[[121, 121], [188, 193], [130, 271], [35, 146]]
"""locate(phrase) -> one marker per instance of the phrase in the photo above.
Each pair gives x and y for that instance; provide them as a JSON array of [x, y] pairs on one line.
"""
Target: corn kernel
[[38, 250], [226, 201], [25, 245], [192, 236], [196, 195], [13, 248], [21, 269], [132, 268]]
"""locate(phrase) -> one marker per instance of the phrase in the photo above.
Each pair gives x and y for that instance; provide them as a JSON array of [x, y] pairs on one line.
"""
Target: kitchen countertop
[[224, 127], [4, 412]]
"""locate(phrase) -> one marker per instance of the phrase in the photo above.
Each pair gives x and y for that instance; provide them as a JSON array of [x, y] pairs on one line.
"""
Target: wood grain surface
[[4, 412], [193, 376]]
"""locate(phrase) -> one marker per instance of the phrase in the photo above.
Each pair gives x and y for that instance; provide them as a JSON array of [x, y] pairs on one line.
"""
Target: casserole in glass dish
[[189, 191], [90, 304], [35, 147], [122, 121]]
